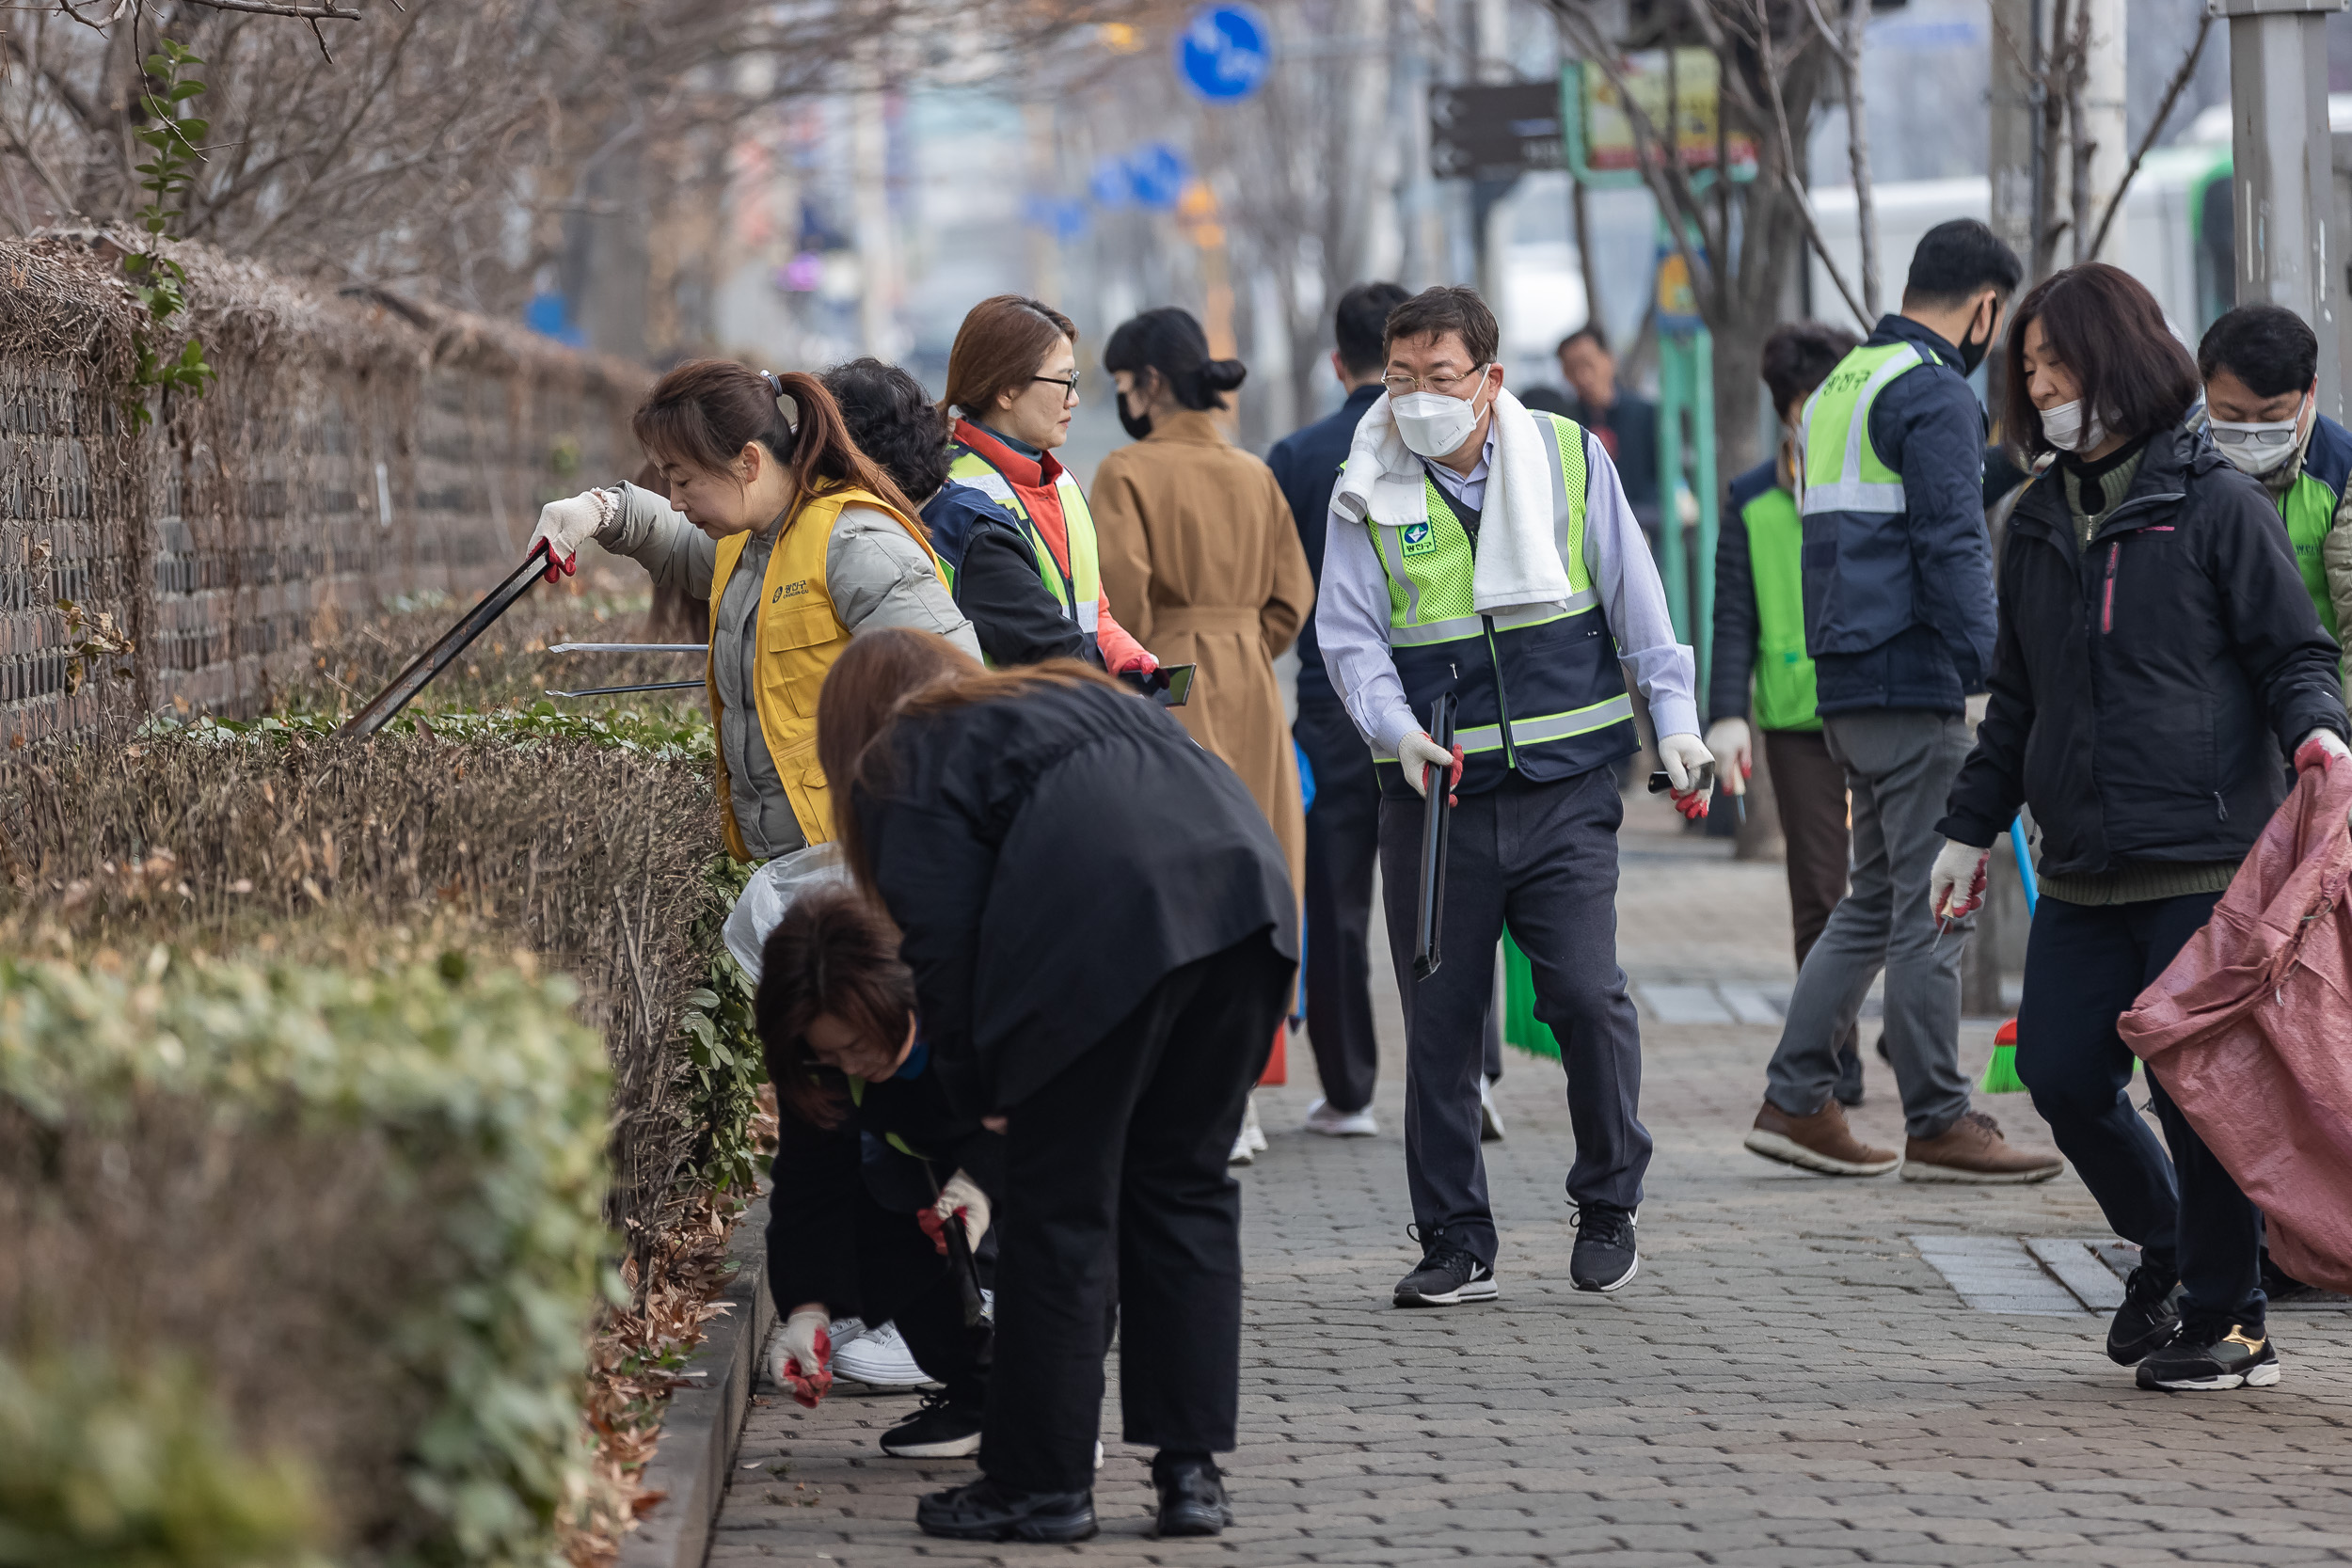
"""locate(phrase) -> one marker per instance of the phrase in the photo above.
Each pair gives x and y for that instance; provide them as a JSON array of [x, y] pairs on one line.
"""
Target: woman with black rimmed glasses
[[1012, 384]]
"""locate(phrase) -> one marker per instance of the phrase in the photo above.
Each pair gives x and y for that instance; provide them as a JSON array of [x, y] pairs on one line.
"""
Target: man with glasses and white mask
[[2260, 364], [1479, 550]]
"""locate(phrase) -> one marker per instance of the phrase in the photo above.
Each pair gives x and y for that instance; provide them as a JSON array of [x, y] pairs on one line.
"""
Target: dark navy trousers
[[1541, 857], [2085, 966]]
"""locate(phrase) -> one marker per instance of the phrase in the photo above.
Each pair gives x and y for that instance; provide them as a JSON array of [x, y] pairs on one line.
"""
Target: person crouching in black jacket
[[871, 1161], [1103, 935], [2157, 659]]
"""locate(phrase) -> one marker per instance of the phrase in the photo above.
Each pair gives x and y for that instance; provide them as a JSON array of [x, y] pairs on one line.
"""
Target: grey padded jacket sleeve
[[673, 551], [880, 577]]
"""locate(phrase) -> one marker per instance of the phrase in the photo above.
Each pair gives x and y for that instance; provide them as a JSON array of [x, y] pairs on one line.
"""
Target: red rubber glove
[[804, 1356], [2321, 749]]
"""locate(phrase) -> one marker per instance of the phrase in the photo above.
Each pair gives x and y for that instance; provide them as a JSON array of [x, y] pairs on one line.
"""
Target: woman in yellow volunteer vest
[[798, 541]]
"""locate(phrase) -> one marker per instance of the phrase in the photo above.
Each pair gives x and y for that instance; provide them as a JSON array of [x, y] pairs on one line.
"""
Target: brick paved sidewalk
[[1789, 1382]]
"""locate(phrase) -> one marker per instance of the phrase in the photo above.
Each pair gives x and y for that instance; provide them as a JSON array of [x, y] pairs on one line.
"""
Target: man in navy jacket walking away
[[1900, 624]]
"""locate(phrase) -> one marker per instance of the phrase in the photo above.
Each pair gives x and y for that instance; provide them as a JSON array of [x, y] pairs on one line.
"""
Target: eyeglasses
[[1399, 386], [1069, 386], [2258, 437]]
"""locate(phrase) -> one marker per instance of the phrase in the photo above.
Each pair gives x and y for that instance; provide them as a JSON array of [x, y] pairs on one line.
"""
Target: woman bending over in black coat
[[1103, 936], [2156, 663], [870, 1160]]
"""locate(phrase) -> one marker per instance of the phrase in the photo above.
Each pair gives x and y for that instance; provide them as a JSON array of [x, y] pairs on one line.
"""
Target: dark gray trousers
[[1542, 858], [1900, 764]]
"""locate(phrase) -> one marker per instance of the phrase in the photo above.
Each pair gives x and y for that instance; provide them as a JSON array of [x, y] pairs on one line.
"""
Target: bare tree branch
[[1845, 42], [312, 14], [1795, 188], [2164, 111]]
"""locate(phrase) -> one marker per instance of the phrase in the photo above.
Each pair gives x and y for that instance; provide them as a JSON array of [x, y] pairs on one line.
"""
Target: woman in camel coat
[[1201, 560]]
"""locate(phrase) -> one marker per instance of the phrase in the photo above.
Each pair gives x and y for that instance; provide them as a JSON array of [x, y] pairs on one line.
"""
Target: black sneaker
[[1192, 1497], [983, 1511], [943, 1428], [2147, 1321], [1606, 1256], [1448, 1276], [2202, 1358]]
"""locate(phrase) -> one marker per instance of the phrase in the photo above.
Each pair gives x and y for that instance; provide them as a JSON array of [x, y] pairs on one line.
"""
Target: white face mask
[[2257, 448], [2069, 430], [1433, 424]]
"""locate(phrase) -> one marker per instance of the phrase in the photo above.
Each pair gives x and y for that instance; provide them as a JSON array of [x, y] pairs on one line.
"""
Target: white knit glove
[[2321, 749], [1956, 885], [1735, 756], [960, 1198], [565, 525], [1682, 757], [1417, 751], [804, 1356]]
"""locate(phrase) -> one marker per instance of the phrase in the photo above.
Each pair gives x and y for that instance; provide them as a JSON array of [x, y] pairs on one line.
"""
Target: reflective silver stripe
[[1480, 738], [1392, 557], [1089, 616], [1584, 721], [1451, 629], [1559, 492], [1458, 628], [1852, 494], [989, 482]]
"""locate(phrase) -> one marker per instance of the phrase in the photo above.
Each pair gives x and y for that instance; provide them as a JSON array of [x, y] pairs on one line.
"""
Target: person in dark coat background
[[870, 1162], [1344, 827], [2157, 660], [1103, 935], [992, 570]]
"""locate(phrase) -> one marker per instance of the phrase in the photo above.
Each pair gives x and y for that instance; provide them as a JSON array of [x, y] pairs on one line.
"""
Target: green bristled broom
[[2000, 1073]]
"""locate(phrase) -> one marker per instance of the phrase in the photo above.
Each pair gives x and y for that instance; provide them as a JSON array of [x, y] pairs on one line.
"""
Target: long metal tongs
[[431, 662]]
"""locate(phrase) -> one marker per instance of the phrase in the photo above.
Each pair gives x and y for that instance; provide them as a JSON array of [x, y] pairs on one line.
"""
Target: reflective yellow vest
[[1078, 591], [798, 634]]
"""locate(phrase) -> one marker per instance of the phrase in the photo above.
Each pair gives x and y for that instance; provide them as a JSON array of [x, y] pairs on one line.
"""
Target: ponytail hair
[[703, 414], [1169, 343]]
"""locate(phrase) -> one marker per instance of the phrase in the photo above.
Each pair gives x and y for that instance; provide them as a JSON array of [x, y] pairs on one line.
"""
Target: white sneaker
[[1249, 1128], [1489, 1119], [1243, 1154], [1322, 1118], [879, 1359]]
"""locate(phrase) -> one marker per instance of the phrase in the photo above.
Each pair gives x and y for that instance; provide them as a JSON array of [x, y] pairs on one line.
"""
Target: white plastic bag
[[770, 892]]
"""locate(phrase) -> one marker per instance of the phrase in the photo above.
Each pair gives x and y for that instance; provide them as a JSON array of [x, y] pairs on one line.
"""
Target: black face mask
[[1972, 352], [1137, 425]]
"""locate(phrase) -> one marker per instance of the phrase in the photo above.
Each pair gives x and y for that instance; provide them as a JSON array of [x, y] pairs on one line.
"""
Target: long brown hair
[[833, 953], [703, 414], [2107, 328], [999, 349], [892, 674]]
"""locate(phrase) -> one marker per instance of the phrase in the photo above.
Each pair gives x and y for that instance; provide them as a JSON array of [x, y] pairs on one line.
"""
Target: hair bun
[[1223, 375]]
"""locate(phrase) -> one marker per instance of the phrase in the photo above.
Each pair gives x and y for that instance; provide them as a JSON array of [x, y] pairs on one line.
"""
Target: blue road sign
[[1224, 52], [1156, 173]]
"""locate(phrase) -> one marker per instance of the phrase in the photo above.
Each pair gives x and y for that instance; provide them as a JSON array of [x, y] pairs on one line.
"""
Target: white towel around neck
[[1516, 562]]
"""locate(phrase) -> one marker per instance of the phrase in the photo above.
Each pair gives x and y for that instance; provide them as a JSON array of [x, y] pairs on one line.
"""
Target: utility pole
[[1490, 234], [2280, 151], [2104, 123]]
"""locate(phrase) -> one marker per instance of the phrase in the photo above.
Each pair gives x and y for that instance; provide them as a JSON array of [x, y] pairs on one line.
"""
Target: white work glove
[[1417, 751], [804, 1356], [2321, 749], [1956, 885], [1735, 755], [565, 525], [1682, 757], [960, 1198]]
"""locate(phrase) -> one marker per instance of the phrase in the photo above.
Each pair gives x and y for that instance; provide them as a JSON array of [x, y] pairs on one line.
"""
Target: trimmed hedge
[[441, 1239]]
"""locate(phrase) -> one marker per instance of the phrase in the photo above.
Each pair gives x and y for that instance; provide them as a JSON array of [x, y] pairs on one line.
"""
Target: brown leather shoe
[[1817, 1142], [1973, 1149]]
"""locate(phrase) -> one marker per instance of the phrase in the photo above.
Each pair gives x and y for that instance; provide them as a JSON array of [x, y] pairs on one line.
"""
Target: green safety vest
[[1784, 696], [1079, 591], [2308, 508], [1842, 471], [1538, 690]]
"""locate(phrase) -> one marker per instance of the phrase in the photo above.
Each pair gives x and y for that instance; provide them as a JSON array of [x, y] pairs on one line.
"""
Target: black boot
[[983, 1511], [1192, 1495]]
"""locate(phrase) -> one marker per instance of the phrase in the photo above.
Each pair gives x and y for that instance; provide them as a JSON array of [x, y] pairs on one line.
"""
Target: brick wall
[[352, 449]]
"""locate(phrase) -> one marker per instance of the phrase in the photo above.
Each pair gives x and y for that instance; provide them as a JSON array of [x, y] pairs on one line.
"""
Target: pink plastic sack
[[2249, 1030]]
